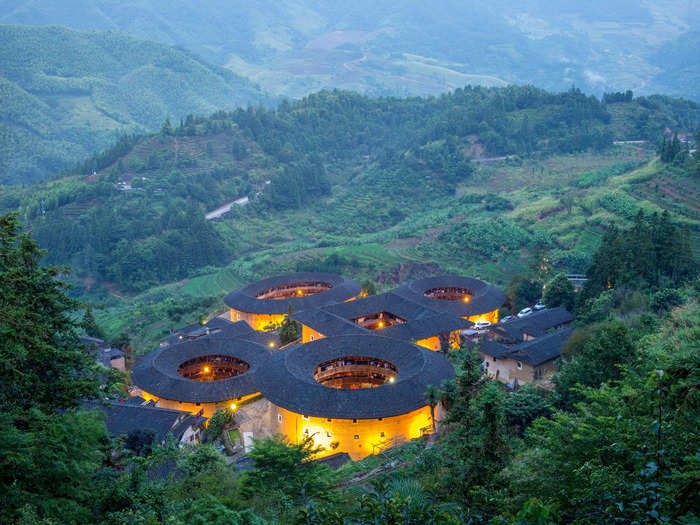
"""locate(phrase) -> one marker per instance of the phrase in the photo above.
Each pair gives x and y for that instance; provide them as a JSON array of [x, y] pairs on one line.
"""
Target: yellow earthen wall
[[343, 431], [257, 321], [433, 343], [309, 334], [489, 316], [193, 408]]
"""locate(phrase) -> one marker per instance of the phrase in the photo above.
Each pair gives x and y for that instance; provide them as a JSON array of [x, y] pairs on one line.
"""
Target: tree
[[525, 405], [665, 299], [284, 471], [141, 442], [598, 359], [560, 292], [368, 288], [522, 291], [289, 330], [219, 420], [43, 362], [432, 396], [49, 462], [568, 200], [92, 329]]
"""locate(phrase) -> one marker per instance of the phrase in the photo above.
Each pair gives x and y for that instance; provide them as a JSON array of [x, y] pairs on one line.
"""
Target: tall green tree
[[522, 291], [42, 361], [432, 396], [599, 358], [89, 324], [560, 292], [284, 473]]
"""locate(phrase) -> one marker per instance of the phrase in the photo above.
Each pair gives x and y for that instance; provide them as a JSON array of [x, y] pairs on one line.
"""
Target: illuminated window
[[312, 337], [520, 365], [306, 418], [306, 431], [381, 434], [328, 434], [198, 404], [380, 419], [356, 436], [329, 420], [279, 417], [354, 420]]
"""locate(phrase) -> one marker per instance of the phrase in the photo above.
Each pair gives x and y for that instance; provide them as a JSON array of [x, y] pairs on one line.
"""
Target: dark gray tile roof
[[106, 355], [534, 325], [327, 323], [424, 328], [214, 326], [156, 373], [245, 300], [542, 349], [485, 298], [386, 302], [288, 379], [535, 352], [421, 322], [134, 400], [122, 418]]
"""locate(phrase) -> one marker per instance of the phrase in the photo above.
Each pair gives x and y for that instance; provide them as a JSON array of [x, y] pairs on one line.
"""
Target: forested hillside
[[67, 94], [475, 181], [411, 47]]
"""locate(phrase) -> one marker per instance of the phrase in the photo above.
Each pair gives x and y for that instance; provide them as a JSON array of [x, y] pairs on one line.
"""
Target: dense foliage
[[653, 252]]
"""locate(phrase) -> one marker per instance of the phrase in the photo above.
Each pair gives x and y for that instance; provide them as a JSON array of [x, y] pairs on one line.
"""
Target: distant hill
[[66, 94], [412, 47]]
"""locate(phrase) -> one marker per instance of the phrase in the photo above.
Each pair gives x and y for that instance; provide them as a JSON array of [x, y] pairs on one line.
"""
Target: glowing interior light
[[233, 406], [391, 379], [466, 299], [299, 292], [271, 344], [206, 369], [381, 324]]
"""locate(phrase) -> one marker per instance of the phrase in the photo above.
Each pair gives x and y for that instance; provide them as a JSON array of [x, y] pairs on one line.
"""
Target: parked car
[[507, 318], [525, 312], [481, 325], [539, 306]]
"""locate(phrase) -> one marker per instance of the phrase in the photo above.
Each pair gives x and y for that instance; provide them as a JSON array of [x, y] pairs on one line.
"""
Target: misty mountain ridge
[[412, 48]]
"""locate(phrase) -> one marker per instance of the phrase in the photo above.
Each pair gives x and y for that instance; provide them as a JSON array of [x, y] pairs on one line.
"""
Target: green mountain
[[411, 47], [471, 182], [66, 94]]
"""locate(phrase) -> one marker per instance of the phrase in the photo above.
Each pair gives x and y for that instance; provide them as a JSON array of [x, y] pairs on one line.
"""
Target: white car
[[539, 306], [525, 312], [481, 325]]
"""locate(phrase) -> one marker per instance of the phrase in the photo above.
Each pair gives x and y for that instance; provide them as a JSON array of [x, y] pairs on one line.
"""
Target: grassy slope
[[272, 244], [65, 94]]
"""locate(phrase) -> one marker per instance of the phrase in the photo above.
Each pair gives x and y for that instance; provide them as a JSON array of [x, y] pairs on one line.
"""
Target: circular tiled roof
[[484, 297], [245, 299], [288, 378], [157, 372]]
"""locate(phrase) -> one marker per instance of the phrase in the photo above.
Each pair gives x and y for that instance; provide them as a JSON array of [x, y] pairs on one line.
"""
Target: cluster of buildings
[[356, 379]]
